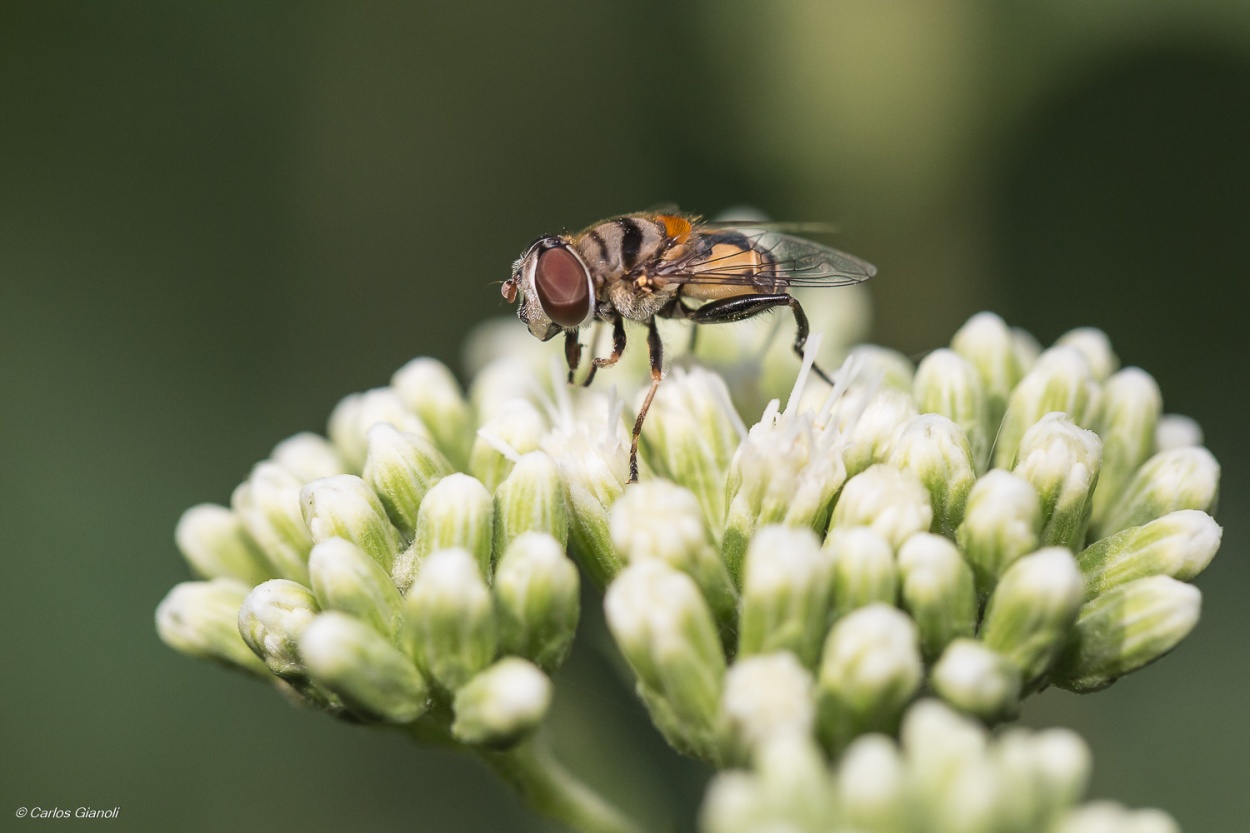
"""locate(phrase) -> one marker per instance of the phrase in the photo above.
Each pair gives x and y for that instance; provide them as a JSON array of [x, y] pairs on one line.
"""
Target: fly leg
[[749, 306], [572, 352], [655, 349], [618, 347]]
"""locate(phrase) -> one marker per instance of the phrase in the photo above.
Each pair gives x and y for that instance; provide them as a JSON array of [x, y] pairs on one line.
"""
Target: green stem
[[551, 790]]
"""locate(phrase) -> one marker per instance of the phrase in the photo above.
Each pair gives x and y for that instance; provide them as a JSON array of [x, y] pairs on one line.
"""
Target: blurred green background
[[216, 219]]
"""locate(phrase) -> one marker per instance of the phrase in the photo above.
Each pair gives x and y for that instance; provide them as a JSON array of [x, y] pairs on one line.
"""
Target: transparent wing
[[754, 256]]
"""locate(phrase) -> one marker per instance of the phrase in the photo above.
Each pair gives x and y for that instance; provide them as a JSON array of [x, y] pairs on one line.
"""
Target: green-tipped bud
[[272, 619], [594, 464], [308, 456], [789, 789], [690, 435], [872, 785], [355, 414], [344, 506], [531, 499], [765, 696], [664, 628], [516, 428], [1177, 431], [449, 618], [372, 676], [344, 578], [785, 594], [1060, 381], [1033, 609], [1093, 344], [1131, 403], [268, 506], [658, 519], [937, 590], [428, 389], [1109, 817], [215, 545], [457, 513], [951, 776], [988, 345], [401, 468], [1049, 770], [893, 502], [947, 384], [1125, 629], [201, 619], [883, 366], [536, 600], [863, 568], [1183, 478], [870, 670], [1180, 544], [1001, 523], [1062, 462], [1026, 347], [977, 681], [870, 438], [502, 704], [936, 451]]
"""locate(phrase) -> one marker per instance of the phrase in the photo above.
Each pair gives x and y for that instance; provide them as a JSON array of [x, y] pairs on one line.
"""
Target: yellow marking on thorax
[[727, 258]]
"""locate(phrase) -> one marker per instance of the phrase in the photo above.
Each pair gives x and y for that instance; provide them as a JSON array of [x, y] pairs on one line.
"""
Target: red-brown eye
[[562, 286]]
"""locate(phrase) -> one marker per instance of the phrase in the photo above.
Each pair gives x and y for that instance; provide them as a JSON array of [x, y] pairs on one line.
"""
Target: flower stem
[[551, 790]]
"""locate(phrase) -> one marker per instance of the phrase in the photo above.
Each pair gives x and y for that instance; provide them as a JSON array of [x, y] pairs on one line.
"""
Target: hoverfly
[[640, 266]]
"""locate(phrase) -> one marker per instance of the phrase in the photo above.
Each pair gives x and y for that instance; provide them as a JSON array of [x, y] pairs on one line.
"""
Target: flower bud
[[1125, 629], [1093, 344], [1176, 431], [988, 345], [658, 519], [344, 578], [1130, 412], [362, 667], [886, 368], [1032, 610], [936, 451], [1109, 817], [1062, 463], [977, 681], [1183, 478], [1060, 771], [401, 469], [271, 621], [1002, 520], [863, 568], [502, 380], [536, 600], [947, 384], [531, 499], [1060, 381], [268, 506], [502, 704], [870, 438], [517, 427], [344, 506], [665, 630], [872, 786], [356, 413], [201, 619], [457, 513], [308, 456], [765, 696], [894, 503], [1180, 544], [785, 594], [428, 389], [449, 618], [215, 545], [690, 435], [937, 590], [870, 670]]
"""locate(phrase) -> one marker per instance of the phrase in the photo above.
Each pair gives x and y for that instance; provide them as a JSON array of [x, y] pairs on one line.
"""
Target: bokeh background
[[218, 218]]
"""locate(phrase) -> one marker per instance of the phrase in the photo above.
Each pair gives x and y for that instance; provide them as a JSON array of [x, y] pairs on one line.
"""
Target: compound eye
[[563, 287]]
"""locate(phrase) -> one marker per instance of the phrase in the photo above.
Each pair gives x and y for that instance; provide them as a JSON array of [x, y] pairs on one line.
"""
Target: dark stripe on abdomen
[[631, 242]]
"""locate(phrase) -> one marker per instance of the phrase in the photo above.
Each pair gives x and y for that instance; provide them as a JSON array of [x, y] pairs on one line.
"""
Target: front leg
[[655, 349], [748, 306], [618, 348], [572, 352]]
